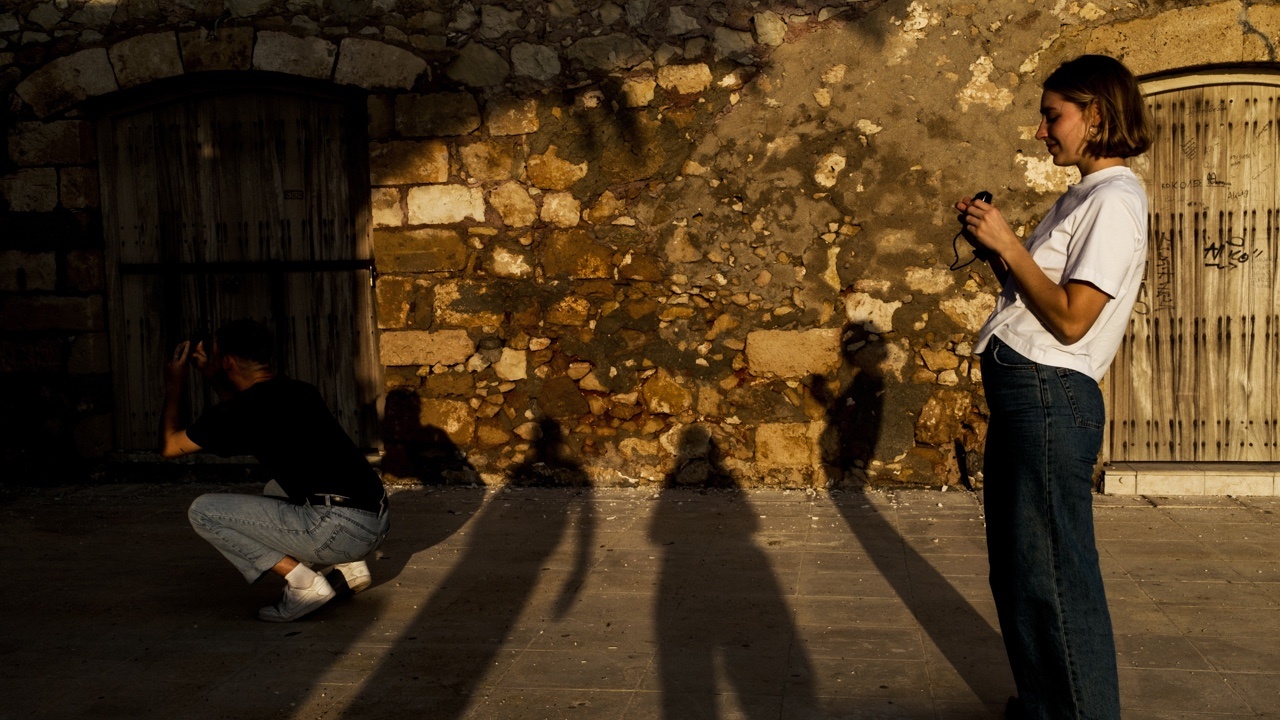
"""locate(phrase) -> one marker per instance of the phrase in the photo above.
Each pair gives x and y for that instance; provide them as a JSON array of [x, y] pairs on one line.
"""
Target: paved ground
[[547, 603]]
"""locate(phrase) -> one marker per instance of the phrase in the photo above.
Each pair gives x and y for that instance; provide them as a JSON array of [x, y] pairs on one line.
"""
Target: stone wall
[[629, 217]]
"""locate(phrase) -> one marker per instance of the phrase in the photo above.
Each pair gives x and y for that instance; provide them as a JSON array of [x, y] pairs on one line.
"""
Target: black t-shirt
[[285, 424]]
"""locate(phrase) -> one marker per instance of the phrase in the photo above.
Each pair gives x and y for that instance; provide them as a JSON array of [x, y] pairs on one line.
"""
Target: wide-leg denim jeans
[[1042, 443], [256, 532]]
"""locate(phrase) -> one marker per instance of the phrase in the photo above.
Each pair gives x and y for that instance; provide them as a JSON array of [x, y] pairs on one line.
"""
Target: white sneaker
[[298, 602], [355, 575]]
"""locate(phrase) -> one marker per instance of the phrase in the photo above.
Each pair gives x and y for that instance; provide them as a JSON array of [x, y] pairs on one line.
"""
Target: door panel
[[1196, 377], [241, 204]]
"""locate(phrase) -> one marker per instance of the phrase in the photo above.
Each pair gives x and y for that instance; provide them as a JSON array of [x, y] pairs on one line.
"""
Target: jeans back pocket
[[1085, 398], [1006, 357]]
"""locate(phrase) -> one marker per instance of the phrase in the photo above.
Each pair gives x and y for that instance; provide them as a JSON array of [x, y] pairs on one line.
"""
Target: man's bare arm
[[174, 441]]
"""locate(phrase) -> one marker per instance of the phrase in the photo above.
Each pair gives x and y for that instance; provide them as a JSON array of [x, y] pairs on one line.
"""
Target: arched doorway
[[239, 200], [1196, 378]]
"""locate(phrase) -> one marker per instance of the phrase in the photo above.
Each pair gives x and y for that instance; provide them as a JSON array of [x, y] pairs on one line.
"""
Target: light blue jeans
[[1042, 443], [256, 532]]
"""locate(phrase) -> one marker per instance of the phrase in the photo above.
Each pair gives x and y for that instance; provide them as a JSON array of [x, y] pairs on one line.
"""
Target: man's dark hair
[[246, 339]]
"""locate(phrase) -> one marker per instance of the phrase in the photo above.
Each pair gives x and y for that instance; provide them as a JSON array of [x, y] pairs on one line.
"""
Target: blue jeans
[[256, 532], [1042, 443]]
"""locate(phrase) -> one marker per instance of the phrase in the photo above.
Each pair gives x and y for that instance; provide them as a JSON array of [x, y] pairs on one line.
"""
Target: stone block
[[560, 398], [939, 360], [94, 13], [732, 44], [509, 262], [422, 250], [68, 80], [770, 28], [27, 271], [969, 312], [511, 116], [638, 92], [283, 53], [448, 383], [32, 190], [247, 8], [445, 204], [490, 160], [397, 299], [573, 311], [940, 419], [1259, 45], [793, 353], [408, 162], [540, 62], [513, 365], [437, 114], [1238, 484], [491, 434], [222, 49], [382, 116], [872, 313], [609, 53], [1173, 482], [46, 15], [664, 395], [31, 354], [1183, 37], [549, 172], [470, 305], [478, 66], [386, 207], [513, 203], [78, 187], [932, 281], [372, 64], [454, 417], [64, 142], [561, 209], [575, 255], [1120, 483], [685, 79], [90, 354], [45, 312], [420, 347], [146, 58], [783, 445]]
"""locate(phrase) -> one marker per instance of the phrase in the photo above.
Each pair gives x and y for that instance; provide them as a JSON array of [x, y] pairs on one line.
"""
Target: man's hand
[[173, 439], [175, 370]]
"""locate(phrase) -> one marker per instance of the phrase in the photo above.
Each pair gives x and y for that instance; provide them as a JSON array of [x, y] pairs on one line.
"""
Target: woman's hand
[[1067, 312], [986, 225]]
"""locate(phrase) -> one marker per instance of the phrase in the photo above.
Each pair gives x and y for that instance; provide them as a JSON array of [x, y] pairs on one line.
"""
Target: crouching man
[[335, 509]]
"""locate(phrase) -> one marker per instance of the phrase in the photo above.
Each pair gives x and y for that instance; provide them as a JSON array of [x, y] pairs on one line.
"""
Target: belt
[[331, 500]]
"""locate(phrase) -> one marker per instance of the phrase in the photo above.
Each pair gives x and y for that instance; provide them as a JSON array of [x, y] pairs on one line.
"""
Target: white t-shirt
[[1095, 233]]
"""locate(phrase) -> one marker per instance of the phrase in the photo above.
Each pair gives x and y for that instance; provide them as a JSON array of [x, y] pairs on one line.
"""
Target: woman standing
[[1068, 291]]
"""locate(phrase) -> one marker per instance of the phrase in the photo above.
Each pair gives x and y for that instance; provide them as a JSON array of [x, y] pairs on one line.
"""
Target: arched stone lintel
[[1221, 33], [69, 80]]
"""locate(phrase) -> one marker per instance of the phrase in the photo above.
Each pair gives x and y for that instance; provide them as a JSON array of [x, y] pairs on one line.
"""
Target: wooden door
[[1195, 379], [239, 204]]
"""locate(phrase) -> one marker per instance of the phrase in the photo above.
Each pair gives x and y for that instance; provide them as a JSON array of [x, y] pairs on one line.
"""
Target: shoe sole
[[353, 585], [271, 617]]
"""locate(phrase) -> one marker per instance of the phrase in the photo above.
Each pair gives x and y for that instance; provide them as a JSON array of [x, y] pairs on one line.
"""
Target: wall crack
[[1249, 29]]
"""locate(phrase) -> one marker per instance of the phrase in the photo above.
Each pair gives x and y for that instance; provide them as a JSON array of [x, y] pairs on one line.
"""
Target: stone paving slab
[[631, 604]]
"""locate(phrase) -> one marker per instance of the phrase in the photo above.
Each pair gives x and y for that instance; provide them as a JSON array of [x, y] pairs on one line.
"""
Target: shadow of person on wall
[[446, 493], [719, 603], [855, 418], [454, 637]]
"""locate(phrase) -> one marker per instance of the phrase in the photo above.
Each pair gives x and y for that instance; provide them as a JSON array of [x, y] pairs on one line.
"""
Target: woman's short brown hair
[[1124, 130]]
